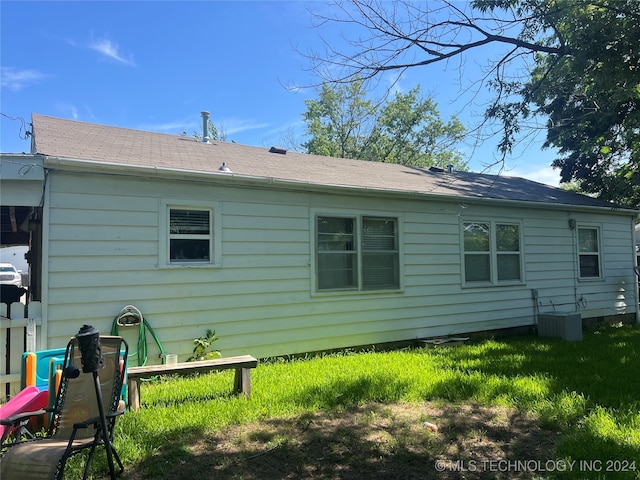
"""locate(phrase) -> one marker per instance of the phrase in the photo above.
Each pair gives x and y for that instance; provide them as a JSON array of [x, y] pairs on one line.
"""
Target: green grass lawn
[[587, 391]]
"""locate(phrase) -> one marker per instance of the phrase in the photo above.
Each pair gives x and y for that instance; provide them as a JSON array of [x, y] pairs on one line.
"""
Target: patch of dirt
[[375, 441]]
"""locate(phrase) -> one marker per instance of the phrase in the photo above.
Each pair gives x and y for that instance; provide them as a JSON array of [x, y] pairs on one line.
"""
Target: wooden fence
[[20, 331]]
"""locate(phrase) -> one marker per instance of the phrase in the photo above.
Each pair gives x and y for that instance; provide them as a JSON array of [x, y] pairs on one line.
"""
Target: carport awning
[[21, 180], [13, 225], [21, 188], [24, 193]]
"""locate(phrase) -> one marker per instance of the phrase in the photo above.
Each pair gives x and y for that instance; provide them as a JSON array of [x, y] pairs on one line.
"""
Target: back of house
[[284, 253]]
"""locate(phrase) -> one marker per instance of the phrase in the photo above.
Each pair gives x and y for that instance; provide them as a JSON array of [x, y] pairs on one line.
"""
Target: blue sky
[[156, 65]]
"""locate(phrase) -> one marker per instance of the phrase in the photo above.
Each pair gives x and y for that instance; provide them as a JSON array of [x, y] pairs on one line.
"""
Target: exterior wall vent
[[449, 169], [280, 150]]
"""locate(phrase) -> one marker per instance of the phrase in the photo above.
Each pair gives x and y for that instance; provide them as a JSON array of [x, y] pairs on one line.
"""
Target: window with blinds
[[379, 253], [492, 252], [357, 253], [190, 235]]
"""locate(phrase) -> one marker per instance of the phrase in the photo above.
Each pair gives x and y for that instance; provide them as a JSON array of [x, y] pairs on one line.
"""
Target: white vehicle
[[9, 275]]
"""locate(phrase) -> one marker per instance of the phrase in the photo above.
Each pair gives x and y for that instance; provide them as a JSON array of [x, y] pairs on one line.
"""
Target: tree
[[573, 63], [339, 121], [343, 123], [212, 132], [591, 97]]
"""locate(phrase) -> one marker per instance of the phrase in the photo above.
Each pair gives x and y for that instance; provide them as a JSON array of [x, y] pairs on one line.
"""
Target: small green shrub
[[202, 351]]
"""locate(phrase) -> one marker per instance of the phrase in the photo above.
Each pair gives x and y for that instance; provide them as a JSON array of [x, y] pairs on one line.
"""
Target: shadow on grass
[[563, 382], [607, 458], [370, 441], [340, 393], [593, 395], [600, 367]]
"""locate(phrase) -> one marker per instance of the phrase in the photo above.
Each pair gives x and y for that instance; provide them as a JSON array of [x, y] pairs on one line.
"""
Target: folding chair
[[84, 415]]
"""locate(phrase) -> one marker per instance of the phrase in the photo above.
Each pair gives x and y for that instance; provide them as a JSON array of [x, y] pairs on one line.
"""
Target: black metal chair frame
[[103, 423]]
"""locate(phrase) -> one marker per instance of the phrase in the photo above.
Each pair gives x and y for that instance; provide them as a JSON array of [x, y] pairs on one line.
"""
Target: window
[[337, 254], [492, 252], [508, 252], [357, 253], [477, 252], [189, 235], [589, 252]]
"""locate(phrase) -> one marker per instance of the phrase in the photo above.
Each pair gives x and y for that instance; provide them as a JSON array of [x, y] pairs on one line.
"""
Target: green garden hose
[[131, 316]]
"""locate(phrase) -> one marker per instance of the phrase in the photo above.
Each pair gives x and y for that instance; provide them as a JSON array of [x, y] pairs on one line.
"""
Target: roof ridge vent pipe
[[450, 168], [205, 127]]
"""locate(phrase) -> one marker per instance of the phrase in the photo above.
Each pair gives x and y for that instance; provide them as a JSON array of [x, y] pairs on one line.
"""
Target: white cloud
[[391, 83], [110, 49], [69, 110], [232, 126], [16, 79], [546, 175], [227, 127]]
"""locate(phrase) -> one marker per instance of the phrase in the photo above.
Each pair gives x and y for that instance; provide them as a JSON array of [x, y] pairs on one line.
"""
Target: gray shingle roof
[[70, 139]]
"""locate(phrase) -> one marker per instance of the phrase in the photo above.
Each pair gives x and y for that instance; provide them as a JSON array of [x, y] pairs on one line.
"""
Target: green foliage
[[201, 350], [572, 63], [342, 122], [588, 88], [338, 122], [590, 93]]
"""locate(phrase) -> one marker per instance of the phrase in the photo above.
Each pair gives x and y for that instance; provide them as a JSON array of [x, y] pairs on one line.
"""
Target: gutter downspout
[[44, 264]]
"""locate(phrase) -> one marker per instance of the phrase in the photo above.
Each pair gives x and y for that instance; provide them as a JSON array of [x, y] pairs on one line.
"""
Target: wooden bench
[[242, 382]]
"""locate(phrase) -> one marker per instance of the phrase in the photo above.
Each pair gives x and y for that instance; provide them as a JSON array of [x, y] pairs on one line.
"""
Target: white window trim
[[216, 242], [313, 217], [598, 228], [493, 253]]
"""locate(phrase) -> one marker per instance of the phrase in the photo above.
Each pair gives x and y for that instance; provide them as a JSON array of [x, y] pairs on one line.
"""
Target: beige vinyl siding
[[103, 254]]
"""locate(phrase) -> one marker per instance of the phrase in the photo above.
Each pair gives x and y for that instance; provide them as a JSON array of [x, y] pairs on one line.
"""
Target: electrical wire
[[23, 133]]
